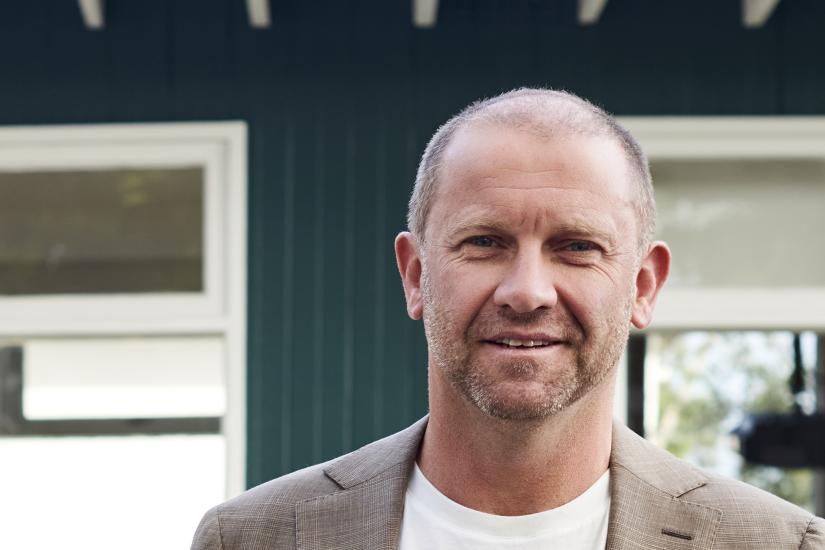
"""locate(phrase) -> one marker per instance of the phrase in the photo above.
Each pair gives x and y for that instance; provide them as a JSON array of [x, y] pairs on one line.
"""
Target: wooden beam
[[92, 12], [590, 11], [425, 13], [259, 15], [756, 12]]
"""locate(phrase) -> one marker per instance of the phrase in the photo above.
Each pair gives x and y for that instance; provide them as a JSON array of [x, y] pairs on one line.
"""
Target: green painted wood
[[340, 97]]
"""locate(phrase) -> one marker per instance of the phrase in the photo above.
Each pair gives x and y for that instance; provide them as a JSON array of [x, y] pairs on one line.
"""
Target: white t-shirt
[[434, 522]]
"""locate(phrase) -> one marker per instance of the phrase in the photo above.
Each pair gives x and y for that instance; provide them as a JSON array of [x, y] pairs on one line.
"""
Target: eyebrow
[[577, 228], [587, 230], [476, 224]]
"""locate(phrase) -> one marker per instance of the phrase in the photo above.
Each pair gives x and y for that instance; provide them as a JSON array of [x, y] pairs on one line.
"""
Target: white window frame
[[221, 149], [704, 138]]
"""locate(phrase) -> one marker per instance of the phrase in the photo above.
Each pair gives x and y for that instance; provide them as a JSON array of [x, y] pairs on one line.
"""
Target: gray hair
[[543, 112]]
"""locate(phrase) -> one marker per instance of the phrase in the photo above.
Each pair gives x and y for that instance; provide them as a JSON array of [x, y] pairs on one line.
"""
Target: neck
[[513, 467]]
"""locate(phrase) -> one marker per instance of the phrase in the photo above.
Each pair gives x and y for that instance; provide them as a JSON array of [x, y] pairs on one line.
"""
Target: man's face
[[529, 270]]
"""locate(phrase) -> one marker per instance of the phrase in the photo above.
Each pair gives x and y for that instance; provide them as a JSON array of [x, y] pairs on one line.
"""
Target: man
[[529, 257]]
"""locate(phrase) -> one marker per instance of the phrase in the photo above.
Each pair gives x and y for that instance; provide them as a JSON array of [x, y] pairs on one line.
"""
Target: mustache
[[536, 321]]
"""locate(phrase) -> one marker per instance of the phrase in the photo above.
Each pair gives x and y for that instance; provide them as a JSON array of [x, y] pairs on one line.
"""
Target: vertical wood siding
[[340, 97]]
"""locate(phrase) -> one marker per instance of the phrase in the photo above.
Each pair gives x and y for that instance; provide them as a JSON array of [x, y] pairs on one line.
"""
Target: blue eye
[[482, 241], [581, 246]]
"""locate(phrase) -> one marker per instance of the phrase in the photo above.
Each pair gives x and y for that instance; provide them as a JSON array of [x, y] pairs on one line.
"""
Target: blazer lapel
[[367, 511], [368, 516], [647, 510]]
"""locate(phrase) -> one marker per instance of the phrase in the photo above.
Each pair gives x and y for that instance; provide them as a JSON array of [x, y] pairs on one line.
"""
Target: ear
[[652, 273], [409, 266]]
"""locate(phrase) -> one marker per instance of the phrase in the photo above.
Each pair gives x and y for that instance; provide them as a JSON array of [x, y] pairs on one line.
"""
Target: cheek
[[465, 289], [592, 299]]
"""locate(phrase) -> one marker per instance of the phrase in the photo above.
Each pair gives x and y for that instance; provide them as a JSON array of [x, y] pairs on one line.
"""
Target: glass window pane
[[101, 231], [100, 493], [742, 223], [700, 385], [123, 377]]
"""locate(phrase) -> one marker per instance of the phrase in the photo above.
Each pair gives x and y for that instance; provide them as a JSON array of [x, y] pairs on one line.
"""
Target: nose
[[527, 285]]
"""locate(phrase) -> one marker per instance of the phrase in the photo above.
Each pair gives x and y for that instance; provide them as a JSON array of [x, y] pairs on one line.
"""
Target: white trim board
[[755, 13], [424, 13], [92, 13], [728, 137], [259, 14], [589, 11]]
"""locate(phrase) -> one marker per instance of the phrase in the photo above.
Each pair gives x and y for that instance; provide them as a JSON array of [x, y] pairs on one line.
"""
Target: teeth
[[522, 343]]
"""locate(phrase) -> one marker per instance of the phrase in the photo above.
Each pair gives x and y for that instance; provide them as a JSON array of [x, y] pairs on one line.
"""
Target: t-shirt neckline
[[589, 507]]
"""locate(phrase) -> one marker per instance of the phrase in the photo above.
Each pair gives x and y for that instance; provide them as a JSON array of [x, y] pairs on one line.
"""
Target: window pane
[[101, 231], [123, 377], [100, 493], [700, 385], [742, 223]]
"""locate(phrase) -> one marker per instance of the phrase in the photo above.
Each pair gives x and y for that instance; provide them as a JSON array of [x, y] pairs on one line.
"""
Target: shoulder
[[264, 513], [753, 514], [264, 516], [748, 517]]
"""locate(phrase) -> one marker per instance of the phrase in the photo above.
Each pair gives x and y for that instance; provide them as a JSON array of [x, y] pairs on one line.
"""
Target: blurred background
[[198, 201]]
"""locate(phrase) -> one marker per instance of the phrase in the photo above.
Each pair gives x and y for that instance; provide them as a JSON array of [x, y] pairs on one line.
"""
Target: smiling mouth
[[514, 343]]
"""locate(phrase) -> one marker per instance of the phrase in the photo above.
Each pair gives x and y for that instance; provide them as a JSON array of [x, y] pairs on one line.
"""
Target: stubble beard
[[595, 356]]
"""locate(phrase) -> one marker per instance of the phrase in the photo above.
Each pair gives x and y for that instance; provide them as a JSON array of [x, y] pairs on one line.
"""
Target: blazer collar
[[372, 460], [647, 508], [367, 512]]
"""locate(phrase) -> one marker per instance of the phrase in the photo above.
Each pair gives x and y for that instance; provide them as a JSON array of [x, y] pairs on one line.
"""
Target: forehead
[[517, 174], [587, 162]]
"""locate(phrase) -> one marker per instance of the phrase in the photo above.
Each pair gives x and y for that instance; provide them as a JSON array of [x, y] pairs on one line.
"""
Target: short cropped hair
[[540, 111]]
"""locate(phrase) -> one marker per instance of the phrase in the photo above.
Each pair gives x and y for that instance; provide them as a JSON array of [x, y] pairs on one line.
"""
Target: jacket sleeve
[[208, 534], [814, 537]]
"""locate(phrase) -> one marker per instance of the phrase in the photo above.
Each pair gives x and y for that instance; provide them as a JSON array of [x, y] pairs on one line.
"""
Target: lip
[[552, 343], [499, 349], [535, 336]]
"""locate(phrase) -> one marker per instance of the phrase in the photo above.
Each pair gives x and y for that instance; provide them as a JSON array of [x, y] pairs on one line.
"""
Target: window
[[172, 195], [122, 328], [739, 203], [700, 385], [90, 232]]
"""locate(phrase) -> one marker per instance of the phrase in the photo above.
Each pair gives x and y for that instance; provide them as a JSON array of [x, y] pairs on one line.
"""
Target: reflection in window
[[134, 377], [101, 231], [700, 385], [718, 232]]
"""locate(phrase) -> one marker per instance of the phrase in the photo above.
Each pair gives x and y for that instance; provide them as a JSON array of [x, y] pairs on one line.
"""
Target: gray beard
[[594, 360]]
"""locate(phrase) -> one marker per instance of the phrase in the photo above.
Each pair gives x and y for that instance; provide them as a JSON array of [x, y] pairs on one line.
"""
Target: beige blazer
[[357, 501]]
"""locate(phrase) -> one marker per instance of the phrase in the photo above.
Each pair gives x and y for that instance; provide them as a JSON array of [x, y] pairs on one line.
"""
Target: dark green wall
[[340, 97]]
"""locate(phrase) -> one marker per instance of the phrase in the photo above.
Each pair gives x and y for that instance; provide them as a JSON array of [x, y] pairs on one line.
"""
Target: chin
[[523, 404]]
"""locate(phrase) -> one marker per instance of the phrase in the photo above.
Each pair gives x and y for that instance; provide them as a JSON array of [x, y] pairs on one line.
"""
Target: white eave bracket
[[756, 12], [92, 12], [590, 11], [424, 13], [259, 14]]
